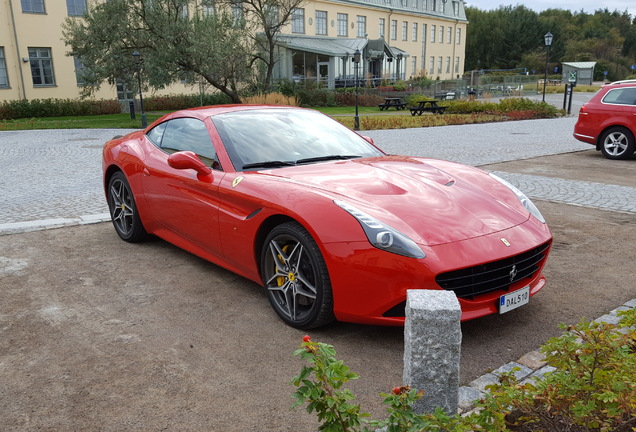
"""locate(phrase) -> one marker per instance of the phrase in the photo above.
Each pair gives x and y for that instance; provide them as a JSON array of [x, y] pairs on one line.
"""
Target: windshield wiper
[[326, 158], [268, 164]]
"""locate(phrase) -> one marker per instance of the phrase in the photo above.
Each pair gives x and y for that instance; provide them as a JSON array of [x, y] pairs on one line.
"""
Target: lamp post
[[548, 42], [137, 56], [356, 61]]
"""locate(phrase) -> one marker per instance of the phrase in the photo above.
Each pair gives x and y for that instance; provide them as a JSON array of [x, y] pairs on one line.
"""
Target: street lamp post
[[356, 61], [137, 56], [548, 42]]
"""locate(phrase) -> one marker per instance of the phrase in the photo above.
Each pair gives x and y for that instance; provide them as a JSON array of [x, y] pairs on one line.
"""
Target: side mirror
[[189, 160]]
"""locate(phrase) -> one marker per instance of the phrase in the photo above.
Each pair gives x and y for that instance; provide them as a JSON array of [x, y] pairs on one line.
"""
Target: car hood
[[433, 202]]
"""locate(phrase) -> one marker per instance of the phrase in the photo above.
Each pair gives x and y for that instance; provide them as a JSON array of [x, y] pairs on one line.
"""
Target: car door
[[186, 207]]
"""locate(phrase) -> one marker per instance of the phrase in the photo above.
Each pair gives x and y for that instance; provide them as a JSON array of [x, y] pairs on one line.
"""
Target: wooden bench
[[392, 102], [427, 106]]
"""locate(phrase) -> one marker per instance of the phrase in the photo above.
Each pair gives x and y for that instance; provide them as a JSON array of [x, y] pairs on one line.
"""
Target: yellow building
[[398, 39]]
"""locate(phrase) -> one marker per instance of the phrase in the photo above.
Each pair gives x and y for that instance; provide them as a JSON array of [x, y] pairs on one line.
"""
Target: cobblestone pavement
[[52, 178]]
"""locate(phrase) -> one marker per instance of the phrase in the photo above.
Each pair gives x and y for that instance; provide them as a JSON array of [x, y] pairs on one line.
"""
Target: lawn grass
[[109, 121]]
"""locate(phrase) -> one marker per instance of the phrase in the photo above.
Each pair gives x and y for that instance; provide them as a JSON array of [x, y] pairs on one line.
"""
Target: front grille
[[498, 275]]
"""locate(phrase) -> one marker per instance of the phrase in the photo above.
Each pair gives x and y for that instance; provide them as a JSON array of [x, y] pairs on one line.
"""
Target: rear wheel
[[296, 278], [617, 143], [123, 210]]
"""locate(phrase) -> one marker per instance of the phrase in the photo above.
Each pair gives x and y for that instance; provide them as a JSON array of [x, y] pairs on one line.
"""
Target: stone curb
[[531, 366], [44, 224]]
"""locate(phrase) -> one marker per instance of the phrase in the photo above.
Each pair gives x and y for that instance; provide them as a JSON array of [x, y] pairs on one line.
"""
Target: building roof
[[580, 65], [339, 47], [335, 47]]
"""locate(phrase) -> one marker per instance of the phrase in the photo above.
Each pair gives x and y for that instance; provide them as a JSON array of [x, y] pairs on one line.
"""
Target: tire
[[617, 143], [296, 278], [123, 210]]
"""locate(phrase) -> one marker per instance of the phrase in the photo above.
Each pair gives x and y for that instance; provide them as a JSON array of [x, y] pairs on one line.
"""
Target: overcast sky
[[589, 6]]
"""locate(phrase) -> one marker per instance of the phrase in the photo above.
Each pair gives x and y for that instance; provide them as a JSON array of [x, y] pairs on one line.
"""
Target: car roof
[[209, 111]]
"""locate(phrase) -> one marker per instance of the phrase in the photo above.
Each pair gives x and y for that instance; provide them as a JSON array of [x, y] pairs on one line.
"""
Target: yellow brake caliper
[[280, 280]]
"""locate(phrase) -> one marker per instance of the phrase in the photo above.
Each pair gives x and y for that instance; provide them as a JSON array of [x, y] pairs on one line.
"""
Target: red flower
[[306, 339]]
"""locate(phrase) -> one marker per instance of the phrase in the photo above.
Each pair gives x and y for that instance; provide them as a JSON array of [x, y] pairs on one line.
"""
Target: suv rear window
[[622, 96]]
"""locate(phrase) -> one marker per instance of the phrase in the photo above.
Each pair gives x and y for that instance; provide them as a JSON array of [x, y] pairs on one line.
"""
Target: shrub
[[178, 102], [348, 98], [56, 108], [272, 99], [593, 388]]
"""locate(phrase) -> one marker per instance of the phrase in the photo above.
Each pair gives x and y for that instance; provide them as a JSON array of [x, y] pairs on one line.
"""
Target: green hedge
[[178, 102], [35, 108]]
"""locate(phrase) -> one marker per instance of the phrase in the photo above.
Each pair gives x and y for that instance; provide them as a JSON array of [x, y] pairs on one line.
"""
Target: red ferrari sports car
[[330, 225]]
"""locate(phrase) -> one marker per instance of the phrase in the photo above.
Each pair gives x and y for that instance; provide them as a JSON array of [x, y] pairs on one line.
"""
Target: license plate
[[514, 299]]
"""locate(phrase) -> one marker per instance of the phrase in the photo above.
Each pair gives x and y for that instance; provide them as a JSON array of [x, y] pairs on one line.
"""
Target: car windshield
[[271, 138]]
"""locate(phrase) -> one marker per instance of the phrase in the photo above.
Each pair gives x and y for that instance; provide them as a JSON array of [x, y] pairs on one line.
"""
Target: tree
[[177, 39], [271, 16]]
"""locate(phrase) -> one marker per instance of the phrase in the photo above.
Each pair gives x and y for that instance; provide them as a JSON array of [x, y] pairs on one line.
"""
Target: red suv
[[608, 120]]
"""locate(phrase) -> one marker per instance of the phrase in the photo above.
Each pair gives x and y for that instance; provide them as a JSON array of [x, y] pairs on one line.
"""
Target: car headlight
[[383, 236], [525, 201]]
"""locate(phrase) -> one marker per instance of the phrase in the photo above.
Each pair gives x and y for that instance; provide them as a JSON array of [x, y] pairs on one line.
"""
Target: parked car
[[330, 225], [608, 120]]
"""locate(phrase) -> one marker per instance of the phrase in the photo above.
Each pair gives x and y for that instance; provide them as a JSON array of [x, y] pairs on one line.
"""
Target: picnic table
[[427, 106], [392, 102]]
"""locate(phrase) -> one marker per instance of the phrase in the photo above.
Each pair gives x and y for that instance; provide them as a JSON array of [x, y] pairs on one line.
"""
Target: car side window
[[156, 133], [622, 96], [189, 134]]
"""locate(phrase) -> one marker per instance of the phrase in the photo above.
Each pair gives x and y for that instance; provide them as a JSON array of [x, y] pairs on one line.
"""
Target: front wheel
[[123, 210], [617, 143], [295, 276]]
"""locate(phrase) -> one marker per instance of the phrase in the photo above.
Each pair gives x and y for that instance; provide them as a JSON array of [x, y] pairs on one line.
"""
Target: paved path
[[53, 178]]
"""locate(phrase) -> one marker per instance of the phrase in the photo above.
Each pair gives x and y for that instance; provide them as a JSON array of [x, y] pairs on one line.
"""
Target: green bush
[[178, 102], [36, 108], [592, 389]]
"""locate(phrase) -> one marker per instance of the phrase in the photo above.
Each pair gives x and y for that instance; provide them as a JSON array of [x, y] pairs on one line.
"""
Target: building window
[[393, 29], [298, 20], [413, 65], [449, 35], [433, 30], [362, 26], [342, 24], [456, 8], [34, 6], [439, 64], [414, 32], [237, 13], [458, 38], [76, 7], [405, 30], [448, 64], [272, 15], [425, 4], [431, 66], [381, 27], [456, 64], [321, 22], [41, 66], [441, 34], [208, 10], [4, 77], [79, 71]]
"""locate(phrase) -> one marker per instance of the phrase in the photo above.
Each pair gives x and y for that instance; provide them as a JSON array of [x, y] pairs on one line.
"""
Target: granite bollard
[[432, 348]]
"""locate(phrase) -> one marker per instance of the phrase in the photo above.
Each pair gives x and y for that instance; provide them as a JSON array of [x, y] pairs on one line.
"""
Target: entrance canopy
[[332, 47], [328, 60]]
